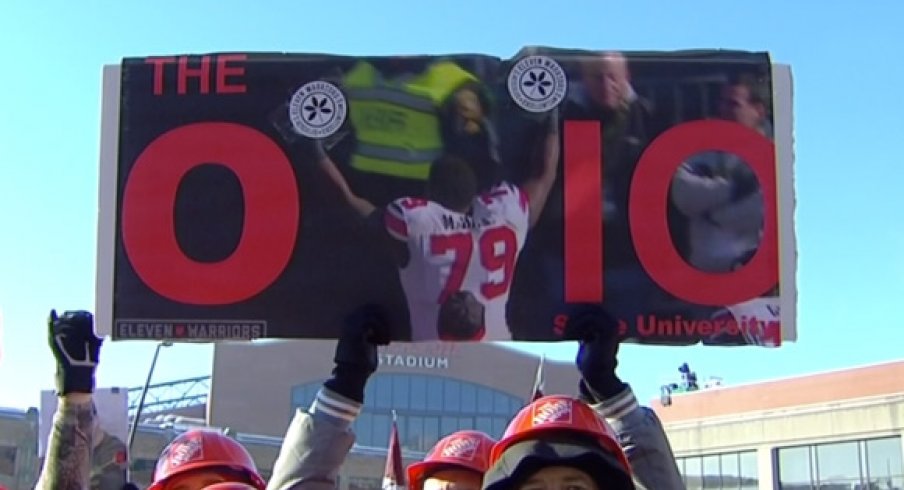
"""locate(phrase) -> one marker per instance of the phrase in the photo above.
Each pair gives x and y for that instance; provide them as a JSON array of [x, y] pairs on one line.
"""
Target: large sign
[[250, 195]]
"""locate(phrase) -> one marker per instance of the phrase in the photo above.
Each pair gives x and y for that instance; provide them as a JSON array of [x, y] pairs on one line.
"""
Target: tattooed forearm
[[68, 462]]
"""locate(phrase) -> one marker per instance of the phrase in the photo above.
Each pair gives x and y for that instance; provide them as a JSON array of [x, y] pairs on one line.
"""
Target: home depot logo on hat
[[185, 451], [461, 447], [557, 411]]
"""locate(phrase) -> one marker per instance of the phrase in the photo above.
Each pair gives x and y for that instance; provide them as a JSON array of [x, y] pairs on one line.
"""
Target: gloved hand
[[597, 333], [356, 352], [76, 349], [743, 182]]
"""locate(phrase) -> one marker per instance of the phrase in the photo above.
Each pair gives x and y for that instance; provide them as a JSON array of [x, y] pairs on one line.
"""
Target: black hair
[[452, 183]]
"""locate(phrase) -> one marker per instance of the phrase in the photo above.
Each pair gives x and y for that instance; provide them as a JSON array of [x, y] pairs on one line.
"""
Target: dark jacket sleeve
[[67, 464], [644, 441], [316, 444]]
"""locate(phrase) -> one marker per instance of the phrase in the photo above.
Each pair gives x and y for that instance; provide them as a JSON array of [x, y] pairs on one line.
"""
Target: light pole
[[134, 428]]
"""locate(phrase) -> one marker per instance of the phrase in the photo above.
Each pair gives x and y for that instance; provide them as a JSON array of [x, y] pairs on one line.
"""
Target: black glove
[[76, 348], [356, 352], [597, 358]]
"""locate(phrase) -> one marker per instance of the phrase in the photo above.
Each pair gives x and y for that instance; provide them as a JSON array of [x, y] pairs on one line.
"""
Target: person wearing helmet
[[199, 458], [638, 429], [558, 442], [315, 446], [319, 439], [459, 459], [80, 455]]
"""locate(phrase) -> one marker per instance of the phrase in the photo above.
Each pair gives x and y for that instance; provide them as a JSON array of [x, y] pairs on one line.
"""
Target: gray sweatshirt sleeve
[[695, 195], [316, 444], [643, 440], [67, 465]]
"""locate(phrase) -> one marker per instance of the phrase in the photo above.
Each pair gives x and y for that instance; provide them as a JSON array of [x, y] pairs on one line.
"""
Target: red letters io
[[649, 223], [272, 209]]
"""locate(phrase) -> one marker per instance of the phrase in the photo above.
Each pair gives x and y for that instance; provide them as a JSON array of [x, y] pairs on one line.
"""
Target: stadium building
[[434, 389]]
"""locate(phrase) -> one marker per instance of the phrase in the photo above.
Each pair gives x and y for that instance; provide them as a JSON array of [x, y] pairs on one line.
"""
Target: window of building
[[868, 463], [365, 483], [428, 407], [724, 470], [748, 470], [8, 460]]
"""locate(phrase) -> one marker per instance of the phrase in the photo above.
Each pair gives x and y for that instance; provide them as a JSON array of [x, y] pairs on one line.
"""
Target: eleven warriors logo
[[552, 412], [317, 110], [464, 447], [537, 84]]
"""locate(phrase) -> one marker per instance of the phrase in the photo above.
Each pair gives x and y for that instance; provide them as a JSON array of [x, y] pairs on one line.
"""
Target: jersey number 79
[[498, 249]]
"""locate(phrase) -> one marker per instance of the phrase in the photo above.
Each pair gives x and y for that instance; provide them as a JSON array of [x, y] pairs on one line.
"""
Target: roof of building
[[874, 380]]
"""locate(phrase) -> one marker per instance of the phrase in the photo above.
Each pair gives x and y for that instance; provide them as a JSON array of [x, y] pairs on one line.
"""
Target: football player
[[456, 249]]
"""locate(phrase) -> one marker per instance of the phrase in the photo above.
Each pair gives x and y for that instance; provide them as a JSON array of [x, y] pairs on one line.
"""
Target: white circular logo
[[537, 83], [317, 109]]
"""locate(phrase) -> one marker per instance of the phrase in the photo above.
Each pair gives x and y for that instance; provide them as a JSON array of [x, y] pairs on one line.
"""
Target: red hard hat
[[467, 449], [204, 449], [557, 414]]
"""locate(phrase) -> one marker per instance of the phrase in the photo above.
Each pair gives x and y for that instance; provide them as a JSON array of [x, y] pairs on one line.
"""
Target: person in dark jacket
[[558, 442]]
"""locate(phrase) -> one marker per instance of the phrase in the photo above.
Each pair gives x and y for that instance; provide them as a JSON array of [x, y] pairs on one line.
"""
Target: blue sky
[[848, 108]]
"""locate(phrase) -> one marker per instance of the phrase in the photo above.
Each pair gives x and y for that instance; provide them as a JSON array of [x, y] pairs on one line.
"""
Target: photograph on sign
[[266, 195]]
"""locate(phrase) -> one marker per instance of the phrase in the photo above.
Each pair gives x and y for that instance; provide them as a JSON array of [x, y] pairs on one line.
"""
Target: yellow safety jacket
[[397, 123]]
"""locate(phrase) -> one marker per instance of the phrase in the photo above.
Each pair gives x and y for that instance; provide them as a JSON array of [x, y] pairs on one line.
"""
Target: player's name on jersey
[[464, 222]]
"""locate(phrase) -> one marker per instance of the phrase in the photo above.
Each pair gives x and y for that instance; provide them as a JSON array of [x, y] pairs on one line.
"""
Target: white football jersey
[[759, 320], [450, 252]]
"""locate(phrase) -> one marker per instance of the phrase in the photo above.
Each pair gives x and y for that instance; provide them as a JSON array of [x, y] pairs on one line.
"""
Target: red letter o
[[272, 208], [649, 223]]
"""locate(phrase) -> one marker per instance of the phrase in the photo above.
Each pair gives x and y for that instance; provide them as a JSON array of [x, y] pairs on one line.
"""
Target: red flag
[[538, 381], [394, 475]]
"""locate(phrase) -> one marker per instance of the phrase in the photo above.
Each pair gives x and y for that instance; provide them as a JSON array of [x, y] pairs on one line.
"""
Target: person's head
[[744, 102], [452, 183], [199, 458], [556, 443], [456, 462], [607, 80]]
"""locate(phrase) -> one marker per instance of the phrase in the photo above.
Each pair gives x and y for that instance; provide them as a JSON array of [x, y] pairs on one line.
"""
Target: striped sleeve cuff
[[336, 406], [619, 405]]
